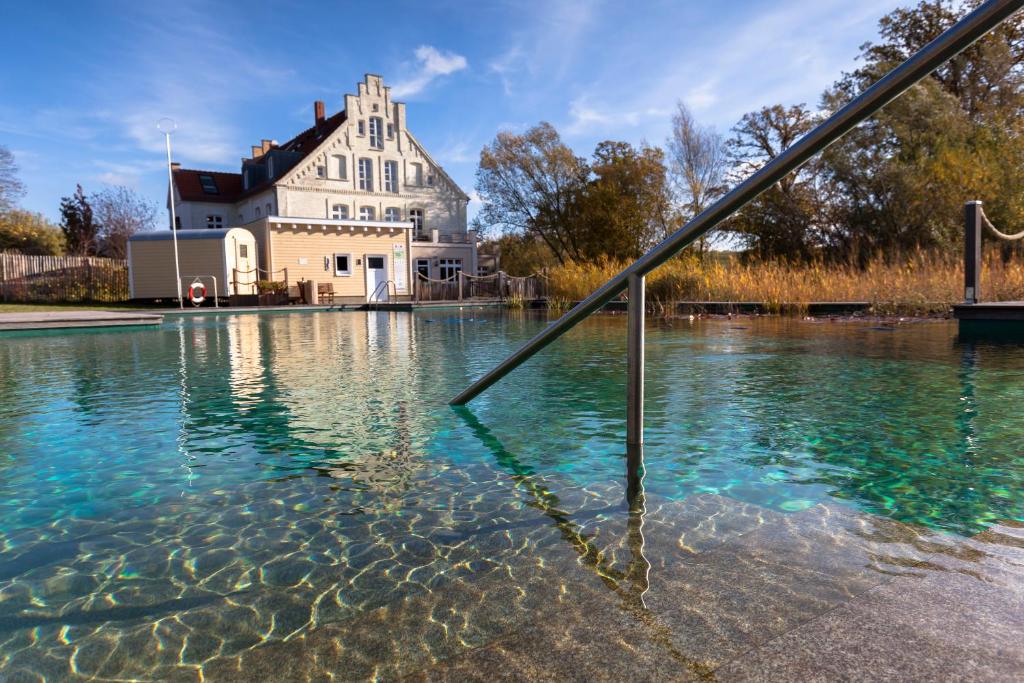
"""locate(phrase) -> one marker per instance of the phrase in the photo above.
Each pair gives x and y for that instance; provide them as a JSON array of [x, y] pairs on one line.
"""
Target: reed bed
[[917, 284]]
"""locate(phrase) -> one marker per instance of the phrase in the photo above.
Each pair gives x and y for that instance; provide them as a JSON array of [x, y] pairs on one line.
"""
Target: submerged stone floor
[[704, 589]]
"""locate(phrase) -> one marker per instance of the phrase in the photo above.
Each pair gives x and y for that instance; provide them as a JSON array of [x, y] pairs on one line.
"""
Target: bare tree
[[121, 213], [697, 163], [11, 188]]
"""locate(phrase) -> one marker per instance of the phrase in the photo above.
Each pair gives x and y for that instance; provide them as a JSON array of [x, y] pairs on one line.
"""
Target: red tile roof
[[190, 188]]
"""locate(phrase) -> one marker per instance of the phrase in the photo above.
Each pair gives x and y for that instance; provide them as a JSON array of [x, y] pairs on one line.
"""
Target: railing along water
[[950, 43]]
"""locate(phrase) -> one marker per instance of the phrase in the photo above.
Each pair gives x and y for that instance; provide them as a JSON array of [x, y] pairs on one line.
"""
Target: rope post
[[459, 274], [972, 251]]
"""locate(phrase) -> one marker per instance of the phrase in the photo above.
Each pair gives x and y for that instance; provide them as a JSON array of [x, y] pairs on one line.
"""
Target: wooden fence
[[463, 287], [62, 279]]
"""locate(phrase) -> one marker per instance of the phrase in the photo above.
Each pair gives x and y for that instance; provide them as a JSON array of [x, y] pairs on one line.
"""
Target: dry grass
[[919, 284]]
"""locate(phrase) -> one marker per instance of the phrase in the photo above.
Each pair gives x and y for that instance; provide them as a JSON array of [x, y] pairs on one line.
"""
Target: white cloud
[[431, 64], [588, 119]]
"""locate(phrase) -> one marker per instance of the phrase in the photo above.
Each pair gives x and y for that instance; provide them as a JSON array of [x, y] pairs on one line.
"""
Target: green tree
[[899, 181], [785, 220], [626, 207], [80, 227], [528, 184], [29, 233]]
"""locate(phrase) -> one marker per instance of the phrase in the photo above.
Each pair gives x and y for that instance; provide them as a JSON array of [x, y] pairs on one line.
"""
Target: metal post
[[635, 362], [174, 227], [972, 252]]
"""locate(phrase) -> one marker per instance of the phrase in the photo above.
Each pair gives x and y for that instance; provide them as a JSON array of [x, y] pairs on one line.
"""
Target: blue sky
[[85, 82]]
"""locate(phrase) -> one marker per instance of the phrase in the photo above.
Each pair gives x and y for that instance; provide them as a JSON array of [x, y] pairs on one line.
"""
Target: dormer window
[[209, 184], [376, 132]]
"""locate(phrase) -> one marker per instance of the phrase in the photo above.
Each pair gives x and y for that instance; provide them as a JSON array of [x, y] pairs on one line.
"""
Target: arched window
[[339, 212], [391, 176]]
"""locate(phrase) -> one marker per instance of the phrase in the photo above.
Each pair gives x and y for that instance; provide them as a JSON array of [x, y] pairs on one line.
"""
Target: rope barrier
[[997, 233]]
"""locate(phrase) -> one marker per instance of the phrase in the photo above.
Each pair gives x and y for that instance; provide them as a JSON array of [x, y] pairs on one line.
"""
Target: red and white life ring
[[197, 292]]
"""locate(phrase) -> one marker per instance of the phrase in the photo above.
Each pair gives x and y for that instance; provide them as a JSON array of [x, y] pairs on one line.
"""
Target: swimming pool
[[232, 494]]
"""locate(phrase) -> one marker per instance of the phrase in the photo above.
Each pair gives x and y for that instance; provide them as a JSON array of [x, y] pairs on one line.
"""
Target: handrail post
[[635, 362], [972, 252]]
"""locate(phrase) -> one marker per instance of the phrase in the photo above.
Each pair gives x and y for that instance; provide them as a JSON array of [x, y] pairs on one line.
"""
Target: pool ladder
[[946, 46]]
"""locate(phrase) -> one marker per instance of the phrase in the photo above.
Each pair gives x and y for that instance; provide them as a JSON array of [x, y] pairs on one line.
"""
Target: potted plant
[[272, 292]]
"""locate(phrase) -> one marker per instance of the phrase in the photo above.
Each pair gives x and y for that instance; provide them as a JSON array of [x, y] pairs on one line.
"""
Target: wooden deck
[[994, 321], [54, 320], [1012, 311]]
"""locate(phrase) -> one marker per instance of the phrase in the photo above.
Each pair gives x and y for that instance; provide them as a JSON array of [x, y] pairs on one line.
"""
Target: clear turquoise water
[[296, 469]]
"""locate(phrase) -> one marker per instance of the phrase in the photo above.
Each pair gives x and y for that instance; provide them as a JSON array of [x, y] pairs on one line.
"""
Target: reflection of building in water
[[245, 357], [333, 391]]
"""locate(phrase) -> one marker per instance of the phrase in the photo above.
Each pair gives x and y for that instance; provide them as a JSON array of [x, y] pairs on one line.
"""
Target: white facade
[[365, 165]]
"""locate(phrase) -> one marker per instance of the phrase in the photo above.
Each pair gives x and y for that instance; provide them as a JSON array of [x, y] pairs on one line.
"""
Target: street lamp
[[168, 126]]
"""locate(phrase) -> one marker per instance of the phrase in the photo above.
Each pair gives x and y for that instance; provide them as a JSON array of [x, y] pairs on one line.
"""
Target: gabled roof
[[190, 184]]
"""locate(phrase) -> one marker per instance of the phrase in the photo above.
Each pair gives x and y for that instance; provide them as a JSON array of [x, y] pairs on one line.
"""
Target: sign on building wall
[[401, 267]]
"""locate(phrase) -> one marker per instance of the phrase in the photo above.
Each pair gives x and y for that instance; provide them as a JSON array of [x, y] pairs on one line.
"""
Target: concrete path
[[46, 320]]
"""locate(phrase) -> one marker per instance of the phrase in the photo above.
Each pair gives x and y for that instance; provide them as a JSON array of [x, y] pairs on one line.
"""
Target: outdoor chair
[[325, 292]]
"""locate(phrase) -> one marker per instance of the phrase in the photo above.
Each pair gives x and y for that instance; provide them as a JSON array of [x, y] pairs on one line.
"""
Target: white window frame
[[376, 132], [421, 262], [455, 264], [392, 214], [366, 174], [391, 176], [418, 217], [367, 213], [361, 127], [339, 212], [337, 271], [342, 163], [214, 221]]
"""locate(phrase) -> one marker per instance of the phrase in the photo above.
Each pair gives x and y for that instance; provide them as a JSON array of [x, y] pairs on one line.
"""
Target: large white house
[[359, 164]]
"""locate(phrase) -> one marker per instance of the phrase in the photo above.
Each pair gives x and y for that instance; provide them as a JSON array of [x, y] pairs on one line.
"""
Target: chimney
[[318, 112], [257, 151], [175, 166], [265, 145]]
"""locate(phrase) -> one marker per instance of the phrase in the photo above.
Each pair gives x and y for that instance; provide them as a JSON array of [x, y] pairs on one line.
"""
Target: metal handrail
[[386, 285], [953, 41]]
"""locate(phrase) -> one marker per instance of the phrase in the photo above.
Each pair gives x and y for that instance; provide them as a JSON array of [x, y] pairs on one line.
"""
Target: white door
[[376, 277]]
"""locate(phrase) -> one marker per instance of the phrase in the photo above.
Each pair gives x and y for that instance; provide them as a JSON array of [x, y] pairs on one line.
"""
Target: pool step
[[582, 574], [825, 594]]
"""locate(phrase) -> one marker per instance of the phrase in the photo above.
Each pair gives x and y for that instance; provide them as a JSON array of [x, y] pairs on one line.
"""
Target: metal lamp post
[[168, 126]]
